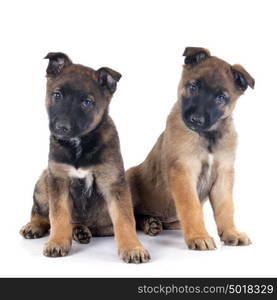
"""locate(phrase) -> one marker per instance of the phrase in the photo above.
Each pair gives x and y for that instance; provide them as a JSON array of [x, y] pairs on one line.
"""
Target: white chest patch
[[79, 173], [82, 174], [210, 164], [206, 178]]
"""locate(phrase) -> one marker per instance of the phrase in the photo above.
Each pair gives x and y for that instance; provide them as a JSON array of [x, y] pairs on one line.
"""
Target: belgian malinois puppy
[[193, 159], [83, 192]]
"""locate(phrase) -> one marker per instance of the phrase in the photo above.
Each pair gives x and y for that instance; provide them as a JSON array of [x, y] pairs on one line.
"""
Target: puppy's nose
[[63, 126], [197, 120]]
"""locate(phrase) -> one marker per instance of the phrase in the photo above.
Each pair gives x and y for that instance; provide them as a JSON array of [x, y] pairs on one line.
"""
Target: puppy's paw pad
[[152, 225], [53, 249], [81, 234], [235, 238], [33, 231], [201, 243], [135, 255]]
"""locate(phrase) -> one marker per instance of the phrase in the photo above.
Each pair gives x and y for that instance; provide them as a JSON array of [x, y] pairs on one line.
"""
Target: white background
[[144, 40]]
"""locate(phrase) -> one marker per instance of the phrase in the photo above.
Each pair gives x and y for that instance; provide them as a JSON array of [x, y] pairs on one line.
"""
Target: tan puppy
[[193, 159]]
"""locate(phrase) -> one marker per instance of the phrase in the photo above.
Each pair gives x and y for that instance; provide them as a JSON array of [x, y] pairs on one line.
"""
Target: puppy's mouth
[[201, 129], [193, 128], [63, 136], [69, 136], [196, 128]]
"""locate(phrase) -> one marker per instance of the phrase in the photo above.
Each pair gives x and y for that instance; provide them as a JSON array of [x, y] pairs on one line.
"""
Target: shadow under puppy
[[83, 192], [193, 159]]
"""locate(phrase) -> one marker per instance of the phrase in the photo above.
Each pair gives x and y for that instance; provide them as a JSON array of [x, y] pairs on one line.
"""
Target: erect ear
[[57, 62], [242, 78], [108, 78], [193, 55]]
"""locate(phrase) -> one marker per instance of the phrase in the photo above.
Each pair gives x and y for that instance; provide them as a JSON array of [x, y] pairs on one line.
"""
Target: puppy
[[193, 159], [83, 192]]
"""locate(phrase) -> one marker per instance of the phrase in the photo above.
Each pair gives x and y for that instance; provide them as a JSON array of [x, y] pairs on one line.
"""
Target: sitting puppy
[[83, 192], [193, 158]]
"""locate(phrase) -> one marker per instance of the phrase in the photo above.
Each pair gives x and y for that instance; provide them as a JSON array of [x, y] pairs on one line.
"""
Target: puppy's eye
[[193, 88], [57, 96], [87, 103], [220, 99]]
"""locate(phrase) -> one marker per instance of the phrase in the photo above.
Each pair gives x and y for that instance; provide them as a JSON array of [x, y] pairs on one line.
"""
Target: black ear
[[195, 54], [108, 78], [242, 78], [57, 62]]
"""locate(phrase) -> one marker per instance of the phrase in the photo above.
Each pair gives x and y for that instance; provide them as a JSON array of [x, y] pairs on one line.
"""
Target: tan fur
[[60, 219], [166, 184]]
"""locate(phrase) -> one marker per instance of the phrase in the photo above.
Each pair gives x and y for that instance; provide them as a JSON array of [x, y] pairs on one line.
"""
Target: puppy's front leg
[[222, 203], [120, 208], [182, 182], [60, 238]]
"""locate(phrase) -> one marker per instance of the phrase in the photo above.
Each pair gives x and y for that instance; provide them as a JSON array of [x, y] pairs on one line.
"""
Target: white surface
[[144, 40]]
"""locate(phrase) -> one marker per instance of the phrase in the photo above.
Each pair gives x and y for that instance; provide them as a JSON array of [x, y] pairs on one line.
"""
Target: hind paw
[[33, 231], [151, 225], [81, 234]]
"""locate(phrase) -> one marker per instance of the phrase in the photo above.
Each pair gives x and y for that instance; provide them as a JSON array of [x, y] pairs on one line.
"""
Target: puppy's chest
[[84, 194], [81, 177], [206, 176]]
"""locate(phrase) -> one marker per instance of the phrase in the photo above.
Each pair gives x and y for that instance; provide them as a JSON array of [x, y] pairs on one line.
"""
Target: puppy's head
[[209, 88], [77, 97]]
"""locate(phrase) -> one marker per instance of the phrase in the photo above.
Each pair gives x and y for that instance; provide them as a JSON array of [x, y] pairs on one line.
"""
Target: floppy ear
[[57, 62], [108, 78], [194, 55], [242, 78]]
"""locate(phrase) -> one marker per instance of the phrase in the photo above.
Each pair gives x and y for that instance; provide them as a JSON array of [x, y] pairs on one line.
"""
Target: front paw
[[134, 255], [235, 238], [201, 243], [56, 249]]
